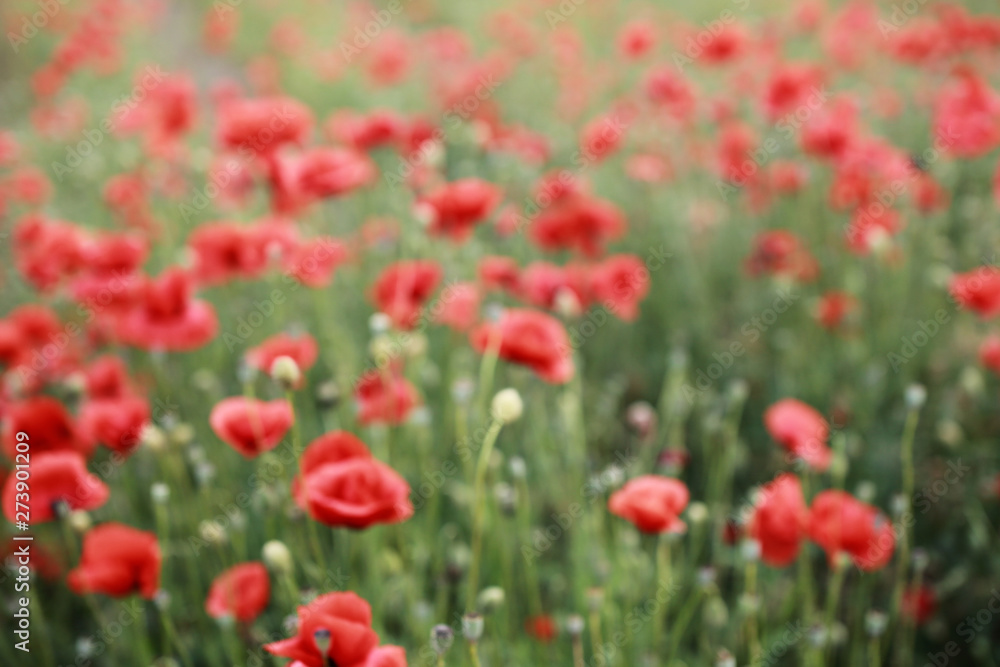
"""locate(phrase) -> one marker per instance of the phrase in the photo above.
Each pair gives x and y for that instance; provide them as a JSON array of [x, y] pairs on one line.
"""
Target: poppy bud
[[327, 395], [724, 659], [716, 612], [277, 556], [415, 345], [182, 434], [875, 623], [595, 599], [160, 493], [916, 395], [379, 323], [750, 550], [490, 599], [920, 560], [518, 468], [286, 372], [950, 432], [472, 627], [697, 512], [383, 349], [567, 303], [162, 600], [442, 637], [507, 406], [506, 497], [79, 521], [574, 625], [212, 532], [462, 390], [641, 418], [153, 437]]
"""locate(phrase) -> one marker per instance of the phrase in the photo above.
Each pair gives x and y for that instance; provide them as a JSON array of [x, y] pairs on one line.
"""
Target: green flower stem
[[479, 510]]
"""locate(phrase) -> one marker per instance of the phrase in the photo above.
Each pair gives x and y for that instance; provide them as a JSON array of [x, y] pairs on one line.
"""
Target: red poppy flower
[[652, 503], [788, 177], [542, 627], [671, 91], [260, 126], [167, 317], [989, 353], [112, 255], [36, 346], [967, 118], [251, 426], [919, 603], [402, 289], [458, 306], [620, 282], [227, 250], [301, 348], [779, 520], [839, 523], [790, 87], [801, 430], [30, 185], [47, 252], [636, 39], [583, 223], [531, 338], [342, 485], [331, 172], [457, 207], [563, 289], [364, 132], [726, 45], [833, 308], [118, 560], [55, 476], [385, 397], [780, 253], [107, 377], [387, 656], [348, 620], [48, 424], [871, 227], [116, 423], [499, 273], [830, 130], [602, 136], [978, 290], [312, 262], [242, 592]]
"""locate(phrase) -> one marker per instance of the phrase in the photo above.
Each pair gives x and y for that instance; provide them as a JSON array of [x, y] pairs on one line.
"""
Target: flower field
[[570, 333]]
